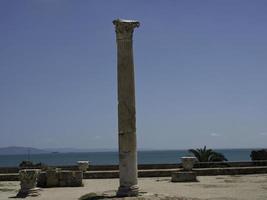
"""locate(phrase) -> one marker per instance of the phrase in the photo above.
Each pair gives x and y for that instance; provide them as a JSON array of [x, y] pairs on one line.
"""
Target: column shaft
[[126, 109]]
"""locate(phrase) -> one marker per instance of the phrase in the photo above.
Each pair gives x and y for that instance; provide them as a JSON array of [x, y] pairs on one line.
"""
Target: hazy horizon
[[200, 73], [65, 149]]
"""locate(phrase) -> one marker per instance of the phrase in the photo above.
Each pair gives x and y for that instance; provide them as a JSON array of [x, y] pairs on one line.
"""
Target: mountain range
[[17, 150], [20, 150]]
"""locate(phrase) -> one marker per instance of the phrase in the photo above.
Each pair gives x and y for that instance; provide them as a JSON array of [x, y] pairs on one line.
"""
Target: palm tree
[[207, 155]]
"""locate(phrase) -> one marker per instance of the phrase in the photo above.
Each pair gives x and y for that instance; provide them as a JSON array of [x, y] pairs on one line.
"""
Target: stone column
[[126, 108]]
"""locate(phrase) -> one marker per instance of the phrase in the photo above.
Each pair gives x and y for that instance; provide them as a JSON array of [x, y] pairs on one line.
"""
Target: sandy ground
[[245, 187]]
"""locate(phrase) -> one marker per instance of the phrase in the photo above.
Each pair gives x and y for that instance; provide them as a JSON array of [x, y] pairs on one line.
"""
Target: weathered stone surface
[[188, 163], [52, 177], [126, 108], [125, 28], [28, 182], [83, 165], [41, 181], [184, 176], [70, 179], [60, 178]]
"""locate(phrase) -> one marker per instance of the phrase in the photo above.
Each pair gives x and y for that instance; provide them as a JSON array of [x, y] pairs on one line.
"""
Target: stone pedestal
[[126, 108], [83, 165], [28, 182], [184, 176], [188, 162]]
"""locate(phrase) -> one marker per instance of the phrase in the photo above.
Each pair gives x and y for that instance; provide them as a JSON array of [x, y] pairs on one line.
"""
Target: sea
[[109, 158]]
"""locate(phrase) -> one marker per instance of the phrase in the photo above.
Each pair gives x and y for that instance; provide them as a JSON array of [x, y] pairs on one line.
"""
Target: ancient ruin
[[187, 174], [55, 177], [28, 182], [126, 108]]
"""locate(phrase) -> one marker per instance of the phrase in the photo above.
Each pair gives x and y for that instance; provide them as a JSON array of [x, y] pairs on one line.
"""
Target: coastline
[[111, 157]]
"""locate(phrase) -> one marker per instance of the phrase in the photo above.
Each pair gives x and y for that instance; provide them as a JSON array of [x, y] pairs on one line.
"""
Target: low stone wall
[[9, 177], [230, 171], [116, 167], [60, 178], [6, 170], [115, 173], [230, 164], [156, 170], [158, 173], [9, 170], [168, 172]]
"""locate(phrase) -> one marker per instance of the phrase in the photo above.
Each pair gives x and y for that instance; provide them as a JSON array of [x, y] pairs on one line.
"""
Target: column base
[[131, 191]]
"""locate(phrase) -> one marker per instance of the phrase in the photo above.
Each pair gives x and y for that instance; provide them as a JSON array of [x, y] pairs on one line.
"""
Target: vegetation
[[29, 164], [207, 155], [259, 155]]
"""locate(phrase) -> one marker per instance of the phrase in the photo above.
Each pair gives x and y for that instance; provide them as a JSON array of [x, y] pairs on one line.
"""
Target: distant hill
[[20, 150], [77, 150], [15, 150]]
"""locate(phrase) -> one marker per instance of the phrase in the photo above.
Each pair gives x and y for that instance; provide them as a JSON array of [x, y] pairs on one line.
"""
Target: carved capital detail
[[124, 28]]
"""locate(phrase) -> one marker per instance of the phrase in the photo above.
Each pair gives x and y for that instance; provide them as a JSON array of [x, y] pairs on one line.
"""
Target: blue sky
[[200, 70]]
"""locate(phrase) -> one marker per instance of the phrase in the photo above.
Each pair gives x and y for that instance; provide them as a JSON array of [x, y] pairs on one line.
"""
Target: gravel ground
[[243, 187]]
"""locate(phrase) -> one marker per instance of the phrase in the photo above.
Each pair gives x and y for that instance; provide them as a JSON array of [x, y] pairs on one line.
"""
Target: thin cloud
[[263, 133]]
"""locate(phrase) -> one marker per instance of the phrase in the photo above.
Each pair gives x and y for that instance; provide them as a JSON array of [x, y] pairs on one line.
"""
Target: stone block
[[70, 178], [184, 176], [41, 181], [52, 177]]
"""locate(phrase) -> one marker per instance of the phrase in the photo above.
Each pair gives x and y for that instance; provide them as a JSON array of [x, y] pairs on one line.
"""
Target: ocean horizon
[[111, 157]]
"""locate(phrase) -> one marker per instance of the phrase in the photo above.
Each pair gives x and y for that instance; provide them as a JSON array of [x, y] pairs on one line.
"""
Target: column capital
[[124, 28]]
